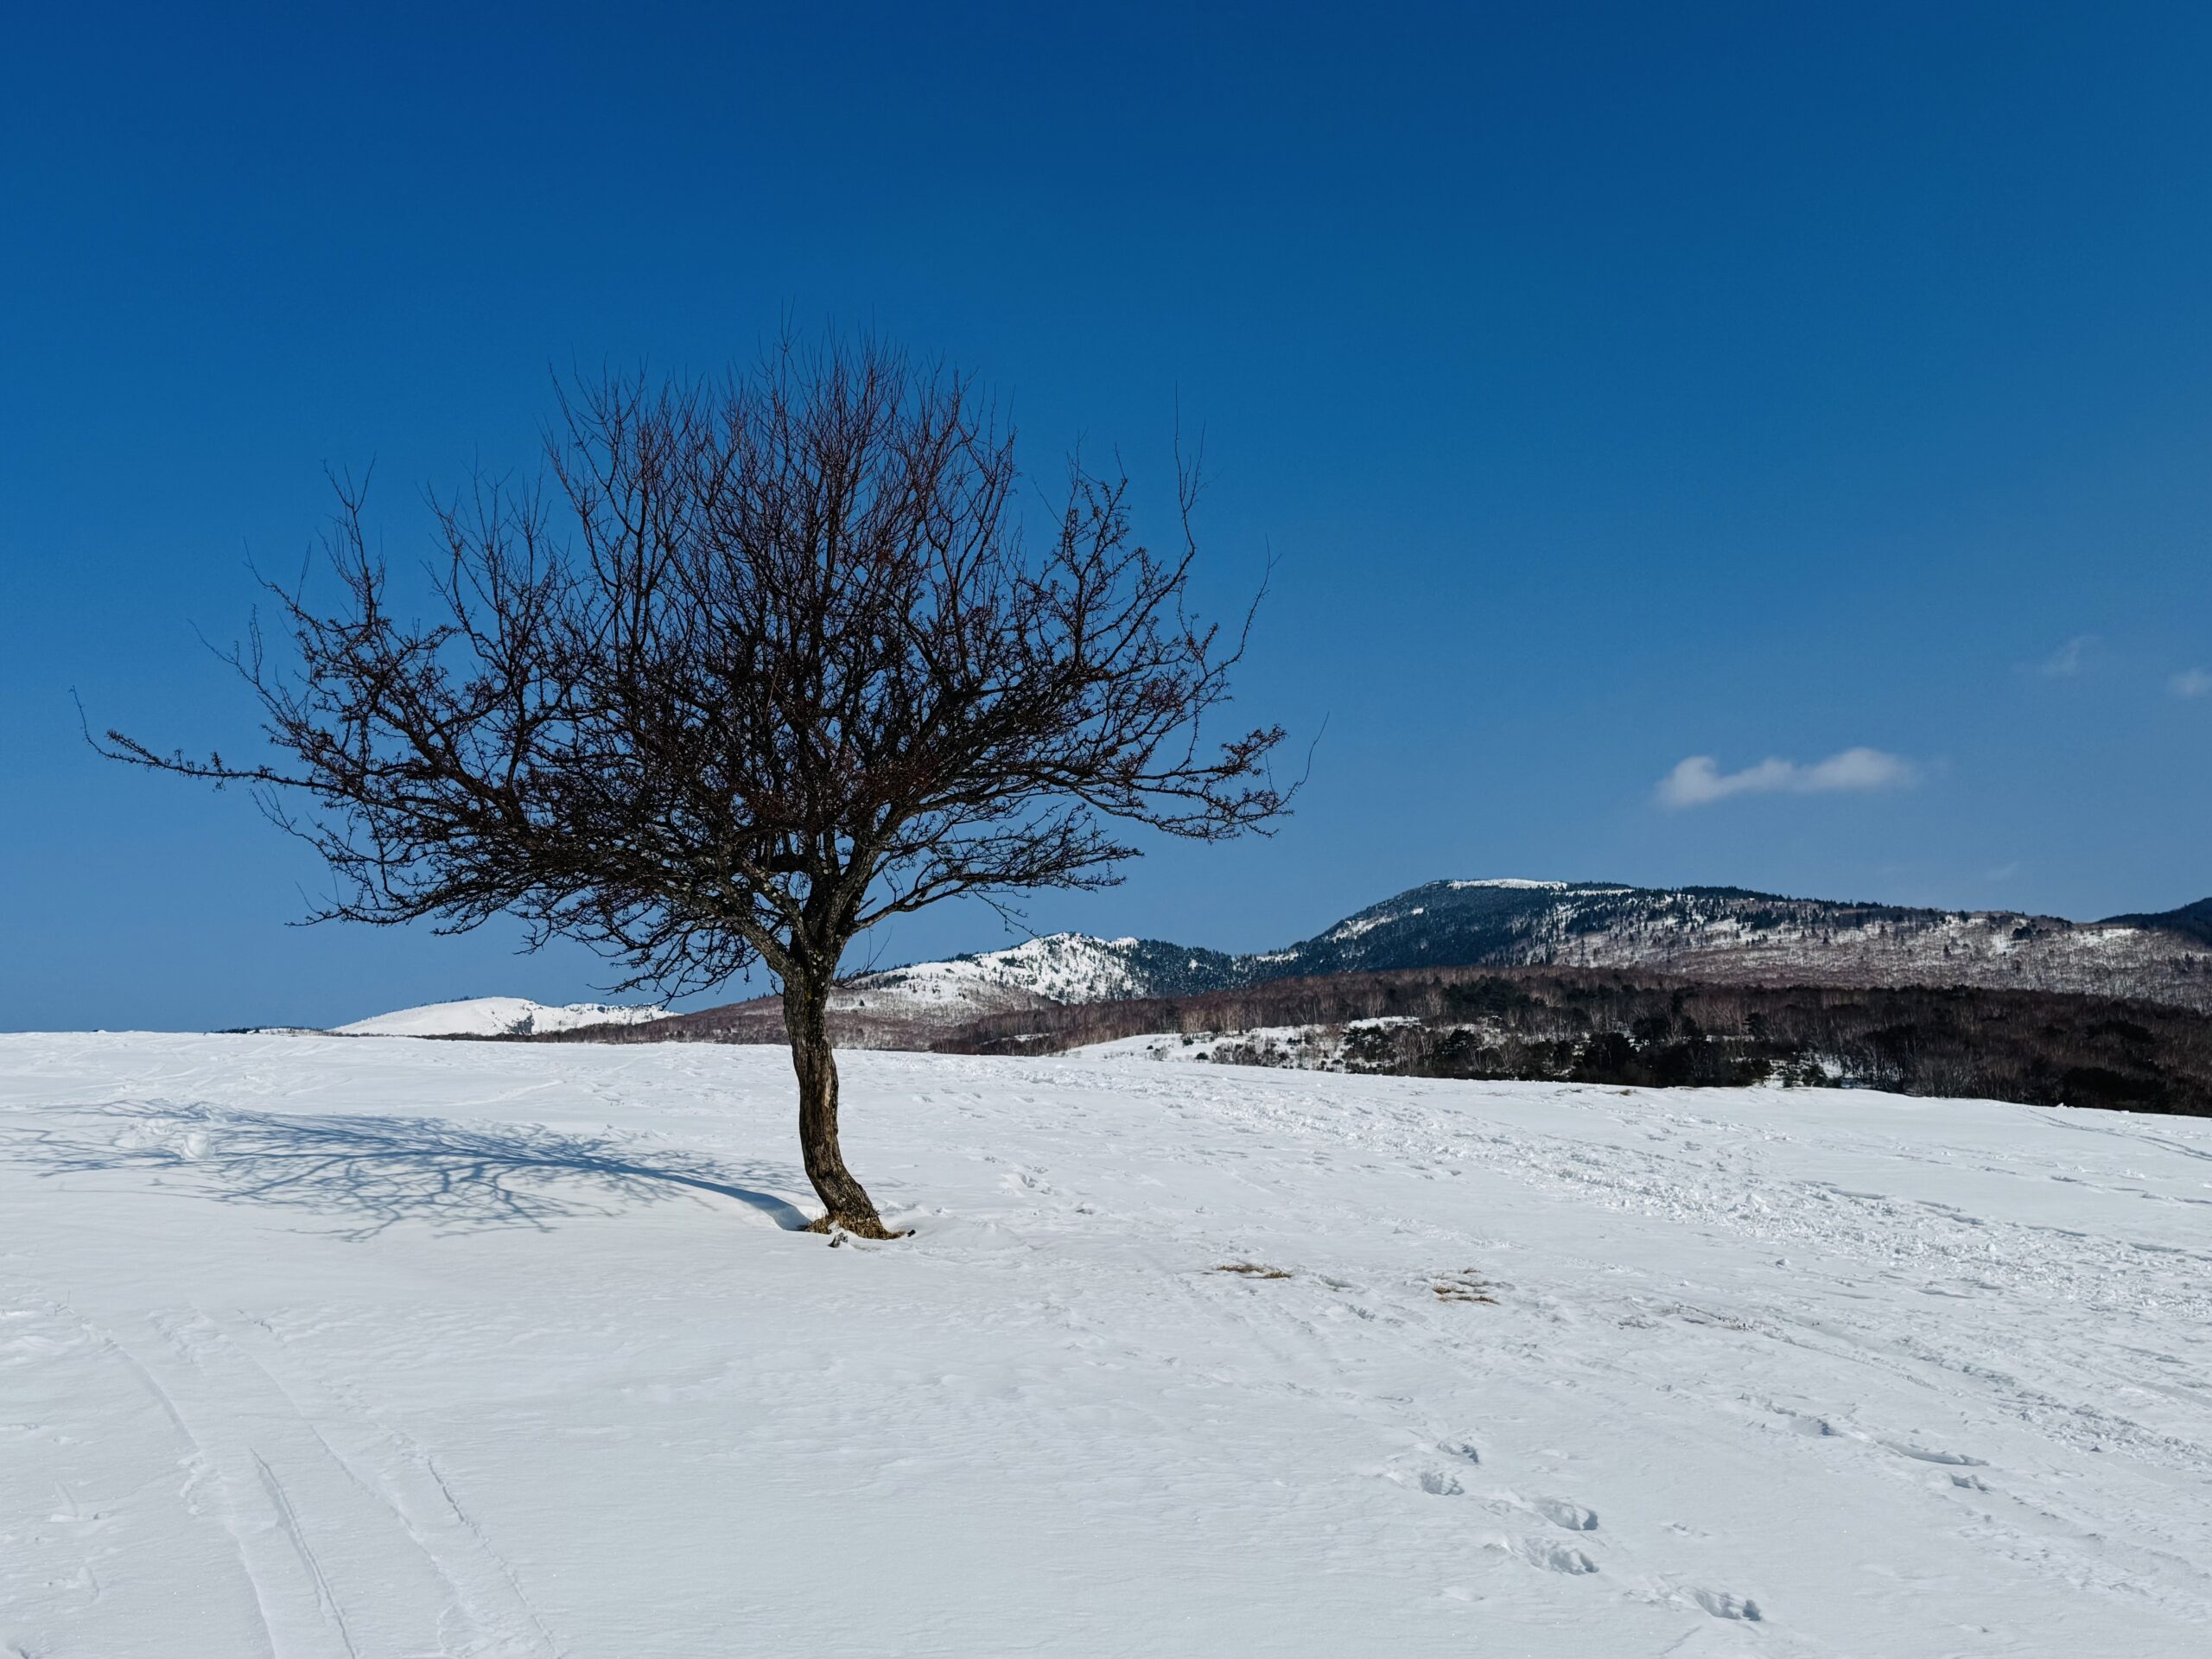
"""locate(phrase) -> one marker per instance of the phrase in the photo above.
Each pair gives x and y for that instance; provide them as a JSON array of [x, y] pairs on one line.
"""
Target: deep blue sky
[[1616, 386]]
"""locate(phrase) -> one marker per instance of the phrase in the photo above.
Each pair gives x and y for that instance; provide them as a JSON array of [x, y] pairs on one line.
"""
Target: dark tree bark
[[845, 1202], [758, 667]]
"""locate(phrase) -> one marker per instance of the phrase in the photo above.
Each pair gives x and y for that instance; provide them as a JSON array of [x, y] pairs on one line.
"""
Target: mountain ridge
[[1725, 934], [1721, 935]]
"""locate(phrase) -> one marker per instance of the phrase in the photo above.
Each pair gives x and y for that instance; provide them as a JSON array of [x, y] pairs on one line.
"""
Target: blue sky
[[1756, 445]]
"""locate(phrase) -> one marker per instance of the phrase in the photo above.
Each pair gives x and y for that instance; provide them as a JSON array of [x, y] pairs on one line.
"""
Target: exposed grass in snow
[[319, 1347]]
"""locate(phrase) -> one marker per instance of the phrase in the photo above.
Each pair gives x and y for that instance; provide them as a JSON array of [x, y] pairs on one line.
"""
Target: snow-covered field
[[315, 1347]]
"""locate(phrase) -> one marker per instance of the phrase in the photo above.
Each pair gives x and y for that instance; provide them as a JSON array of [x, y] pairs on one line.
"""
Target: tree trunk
[[806, 1020]]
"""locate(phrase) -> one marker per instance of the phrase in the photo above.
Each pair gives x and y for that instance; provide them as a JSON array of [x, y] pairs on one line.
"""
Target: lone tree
[[759, 665]]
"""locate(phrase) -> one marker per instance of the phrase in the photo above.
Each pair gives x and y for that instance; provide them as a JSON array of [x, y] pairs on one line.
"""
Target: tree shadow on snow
[[377, 1172]]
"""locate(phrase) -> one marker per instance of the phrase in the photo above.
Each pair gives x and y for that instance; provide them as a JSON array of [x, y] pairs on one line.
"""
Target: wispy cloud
[[2065, 662], [1699, 780], [2191, 682]]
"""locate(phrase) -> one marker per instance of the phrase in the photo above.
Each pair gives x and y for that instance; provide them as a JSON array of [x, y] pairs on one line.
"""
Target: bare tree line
[[2039, 1047]]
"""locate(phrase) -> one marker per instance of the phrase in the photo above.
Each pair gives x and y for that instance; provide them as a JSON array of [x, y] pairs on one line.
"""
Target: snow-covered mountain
[[1726, 934], [496, 1016], [1056, 967], [1730, 934]]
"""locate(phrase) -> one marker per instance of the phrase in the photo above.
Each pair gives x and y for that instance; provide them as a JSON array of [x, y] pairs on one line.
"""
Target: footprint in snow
[[1560, 1513], [1956, 1459], [1805, 1423], [1442, 1483], [1721, 1605], [1543, 1553]]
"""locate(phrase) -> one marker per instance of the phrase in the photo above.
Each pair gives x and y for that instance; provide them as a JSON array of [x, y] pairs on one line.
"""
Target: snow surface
[[314, 1347], [496, 1016]]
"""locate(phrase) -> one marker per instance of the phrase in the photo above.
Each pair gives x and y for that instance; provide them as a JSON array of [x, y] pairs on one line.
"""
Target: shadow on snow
[[377, 1172]]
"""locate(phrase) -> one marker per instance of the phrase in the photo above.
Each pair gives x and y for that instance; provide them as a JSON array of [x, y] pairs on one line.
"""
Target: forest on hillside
[[1599, 1027]]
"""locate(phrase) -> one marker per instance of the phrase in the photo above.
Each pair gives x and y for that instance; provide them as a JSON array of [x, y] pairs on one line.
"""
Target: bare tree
[[757, 667]]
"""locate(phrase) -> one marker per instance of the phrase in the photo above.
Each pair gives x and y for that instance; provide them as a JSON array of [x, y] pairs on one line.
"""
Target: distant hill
[[496, 1016], [2191, 921], [1714, 935], [1729, 935], [1058, 967]]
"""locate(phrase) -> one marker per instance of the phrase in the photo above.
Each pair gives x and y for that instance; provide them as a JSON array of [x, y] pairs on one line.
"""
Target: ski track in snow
[[312, 1347]]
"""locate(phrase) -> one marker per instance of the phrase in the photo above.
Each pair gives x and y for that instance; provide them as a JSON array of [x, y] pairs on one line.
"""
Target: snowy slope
[[1054, 968], [496, 1016], [315, 1348]]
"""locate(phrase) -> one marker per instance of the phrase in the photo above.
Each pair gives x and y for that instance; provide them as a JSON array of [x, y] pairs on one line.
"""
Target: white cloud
[[2191, 683], [1699, 780], [2065, 662]]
